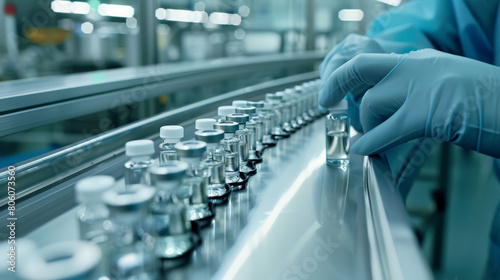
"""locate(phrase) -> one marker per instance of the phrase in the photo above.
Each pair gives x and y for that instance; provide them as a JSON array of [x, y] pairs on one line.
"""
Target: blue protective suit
[[461, 27]]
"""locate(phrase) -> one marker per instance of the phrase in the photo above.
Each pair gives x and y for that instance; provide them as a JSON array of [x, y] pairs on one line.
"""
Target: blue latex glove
[[351, 46], [426, 93]]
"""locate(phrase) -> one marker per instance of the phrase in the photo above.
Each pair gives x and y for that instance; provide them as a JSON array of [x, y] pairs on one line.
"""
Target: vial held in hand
[[337, 135]]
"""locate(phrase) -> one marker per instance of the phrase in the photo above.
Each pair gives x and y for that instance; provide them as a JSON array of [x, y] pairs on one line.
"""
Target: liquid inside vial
[[337, 148], [166, 156], [174, 230], [244, 152], [216, 171]]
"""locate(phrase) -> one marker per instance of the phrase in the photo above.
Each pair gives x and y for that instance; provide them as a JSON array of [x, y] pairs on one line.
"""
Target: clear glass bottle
[[223, 111], [194, 185], [337, 135], [268, 118], [312, 100], [244, 135], [93, 216], [277, 127], [214, 160], [304, 104], [292, 100], [285, 106], [258, 118], [299, 106], [174, 236], [231, 146], [131, 239], [255, 127], [140, 153], [171, 135]]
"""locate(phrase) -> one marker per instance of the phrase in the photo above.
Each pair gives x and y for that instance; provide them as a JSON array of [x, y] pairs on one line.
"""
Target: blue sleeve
[[416, 25]]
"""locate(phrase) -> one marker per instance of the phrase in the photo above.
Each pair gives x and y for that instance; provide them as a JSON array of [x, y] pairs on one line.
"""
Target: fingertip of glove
[[360, 147]]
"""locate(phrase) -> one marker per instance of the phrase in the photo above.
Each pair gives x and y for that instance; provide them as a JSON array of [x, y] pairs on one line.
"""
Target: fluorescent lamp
[[197, 16], [219, 18], [81, 8], [351, 15], [113, 10], [61, 6]]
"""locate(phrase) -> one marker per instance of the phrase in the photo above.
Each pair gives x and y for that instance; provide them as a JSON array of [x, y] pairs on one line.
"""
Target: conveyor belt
[[297, 218]]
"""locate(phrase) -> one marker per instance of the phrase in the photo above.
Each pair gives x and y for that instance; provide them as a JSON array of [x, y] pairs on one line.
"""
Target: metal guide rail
[[37, 102]]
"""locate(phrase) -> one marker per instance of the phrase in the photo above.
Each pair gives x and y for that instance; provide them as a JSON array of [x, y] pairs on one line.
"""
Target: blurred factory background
[[52, 37], [45, 37]]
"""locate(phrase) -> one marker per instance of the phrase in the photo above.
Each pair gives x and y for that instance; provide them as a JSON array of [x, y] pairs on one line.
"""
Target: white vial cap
[[172, 132], [226, 110], [341, 106], [90, 189], [62, 260], [205, 124], [139, 148], [240, 103]]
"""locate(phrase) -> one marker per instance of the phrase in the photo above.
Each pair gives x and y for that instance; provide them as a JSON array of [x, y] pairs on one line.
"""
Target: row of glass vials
[[156, 215]]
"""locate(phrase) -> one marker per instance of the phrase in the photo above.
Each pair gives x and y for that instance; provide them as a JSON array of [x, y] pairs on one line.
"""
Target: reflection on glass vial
[[171, 222], [337, 135]]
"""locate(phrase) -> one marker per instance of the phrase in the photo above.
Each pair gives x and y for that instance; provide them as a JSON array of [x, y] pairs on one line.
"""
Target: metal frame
[[29, 104]]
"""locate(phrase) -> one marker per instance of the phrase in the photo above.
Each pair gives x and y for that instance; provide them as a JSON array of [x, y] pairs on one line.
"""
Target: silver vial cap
[[238, 117], [227, 126], [190, 148], [135, 198], [209, 135], [169, 171], [246, 110]]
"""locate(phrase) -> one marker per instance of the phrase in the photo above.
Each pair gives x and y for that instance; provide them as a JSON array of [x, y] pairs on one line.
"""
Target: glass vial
[[140, 153], [131, 240], [171, 135], [337, 135], [255, 128], [244, 135], [214, 160], [223, 111], [230, 144], [194, 186], [277, 127], [174, 237], [93, 216]]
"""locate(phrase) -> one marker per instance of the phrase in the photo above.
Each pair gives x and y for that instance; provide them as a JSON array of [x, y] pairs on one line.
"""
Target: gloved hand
[[426, 93], [351, 46]]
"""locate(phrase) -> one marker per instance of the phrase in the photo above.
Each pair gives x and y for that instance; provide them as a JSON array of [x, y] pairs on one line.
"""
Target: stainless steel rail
[[394, 250], [385, 263], [41, 101], [43, 184]]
